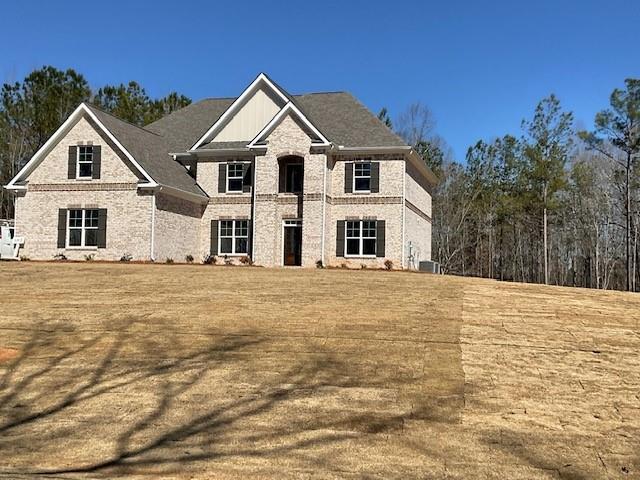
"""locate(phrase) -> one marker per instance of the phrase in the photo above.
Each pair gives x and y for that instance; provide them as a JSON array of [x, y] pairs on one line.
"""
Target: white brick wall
[[128, 223], [183, 228], [177, 229], [54, 167], [49, 189]]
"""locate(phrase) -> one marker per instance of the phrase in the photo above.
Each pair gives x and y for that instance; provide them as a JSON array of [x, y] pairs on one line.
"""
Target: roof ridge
[[320, 93], [123, 121]]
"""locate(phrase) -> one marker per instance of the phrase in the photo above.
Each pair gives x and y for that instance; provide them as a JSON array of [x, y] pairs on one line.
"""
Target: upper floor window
[[294, 175], [85, 161], [361, 238], [234, 177], [362, 177], [234, 237], [83, 228]]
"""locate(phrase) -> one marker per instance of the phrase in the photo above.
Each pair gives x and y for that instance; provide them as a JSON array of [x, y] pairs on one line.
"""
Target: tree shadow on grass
[[135, 398]]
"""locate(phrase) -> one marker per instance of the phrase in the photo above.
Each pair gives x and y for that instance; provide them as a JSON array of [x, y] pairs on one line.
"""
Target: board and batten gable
[[252, 116], [50, 191]]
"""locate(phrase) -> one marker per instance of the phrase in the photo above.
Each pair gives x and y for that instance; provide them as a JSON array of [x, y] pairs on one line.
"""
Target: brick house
[[283, 179]]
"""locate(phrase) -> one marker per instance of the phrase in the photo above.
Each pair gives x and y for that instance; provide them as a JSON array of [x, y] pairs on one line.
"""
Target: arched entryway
[[291, 174]]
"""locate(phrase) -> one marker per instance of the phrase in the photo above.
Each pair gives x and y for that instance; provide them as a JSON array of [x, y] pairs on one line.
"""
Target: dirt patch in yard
[[7, 354], [128, 371]]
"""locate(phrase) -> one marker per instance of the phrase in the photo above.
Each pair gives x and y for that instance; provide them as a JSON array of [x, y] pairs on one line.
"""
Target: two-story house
[[282, 179]]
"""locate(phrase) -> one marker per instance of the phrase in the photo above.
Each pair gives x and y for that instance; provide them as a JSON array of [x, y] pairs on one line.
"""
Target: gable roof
[[260, 81], [345, 121], [332, 117], [183, 127], [341, 118], [151, 151], [146, 151], [288, 109]]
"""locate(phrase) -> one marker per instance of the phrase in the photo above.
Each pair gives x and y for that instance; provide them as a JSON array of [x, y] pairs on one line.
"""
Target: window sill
[[86, 249], [222, 255], [361, 192], [364, 257], [237, 193], [84, 179]]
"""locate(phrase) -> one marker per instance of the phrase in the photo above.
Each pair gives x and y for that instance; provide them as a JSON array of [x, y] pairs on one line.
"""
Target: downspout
[[324, 205], [404, 194], [253, 210], [153, 226], [15, 213]]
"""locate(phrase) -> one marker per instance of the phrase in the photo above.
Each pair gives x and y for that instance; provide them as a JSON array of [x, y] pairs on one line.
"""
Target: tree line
[[551, 205], [31, 110]]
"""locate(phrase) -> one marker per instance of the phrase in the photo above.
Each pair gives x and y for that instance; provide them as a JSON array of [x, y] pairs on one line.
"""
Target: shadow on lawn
[[143, 396]]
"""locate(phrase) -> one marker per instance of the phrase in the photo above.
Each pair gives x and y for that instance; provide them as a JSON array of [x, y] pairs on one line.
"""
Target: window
[[83, 228], [362, 177], [85, 161], [294, 175], [234, 237], [234, 177], [361, 238]]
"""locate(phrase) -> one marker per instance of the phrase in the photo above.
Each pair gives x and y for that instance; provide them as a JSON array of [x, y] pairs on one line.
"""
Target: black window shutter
[[340, 238], [222, 178], [73, 156], [62, 228], [380, 238], [102, 228], [250, 240], [214, 238], [97, 162], [247, 172], [375, 177], [348, 177]]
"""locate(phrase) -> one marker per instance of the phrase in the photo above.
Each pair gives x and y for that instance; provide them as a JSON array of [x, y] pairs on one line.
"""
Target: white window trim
[[83, 229], [361, 239], [235, 177], [353, 189], [78, 177], [233, 238]]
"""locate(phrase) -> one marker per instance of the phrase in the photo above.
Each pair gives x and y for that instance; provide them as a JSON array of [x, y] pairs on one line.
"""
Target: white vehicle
[[9, 243]]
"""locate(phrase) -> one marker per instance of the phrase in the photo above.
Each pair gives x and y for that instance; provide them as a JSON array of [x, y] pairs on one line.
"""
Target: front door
[[292, 242]]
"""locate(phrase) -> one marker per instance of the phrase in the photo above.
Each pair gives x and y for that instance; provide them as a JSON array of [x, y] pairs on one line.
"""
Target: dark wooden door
[[293, 245]]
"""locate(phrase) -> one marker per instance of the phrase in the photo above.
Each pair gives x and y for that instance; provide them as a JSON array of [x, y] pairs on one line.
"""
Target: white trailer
[[9, 243]]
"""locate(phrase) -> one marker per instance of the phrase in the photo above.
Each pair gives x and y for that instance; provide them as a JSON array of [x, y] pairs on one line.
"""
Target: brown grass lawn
[[160, 371]]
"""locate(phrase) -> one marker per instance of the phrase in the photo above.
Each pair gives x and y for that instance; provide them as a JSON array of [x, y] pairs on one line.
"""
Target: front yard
[[176, 371]]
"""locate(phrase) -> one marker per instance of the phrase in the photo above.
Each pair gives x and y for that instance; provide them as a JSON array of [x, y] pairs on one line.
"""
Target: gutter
[[214, 152], [397, 149], [175, 192], [415, 159]]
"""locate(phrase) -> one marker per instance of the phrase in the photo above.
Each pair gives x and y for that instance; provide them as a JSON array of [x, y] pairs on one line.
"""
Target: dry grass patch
[[201, 372]]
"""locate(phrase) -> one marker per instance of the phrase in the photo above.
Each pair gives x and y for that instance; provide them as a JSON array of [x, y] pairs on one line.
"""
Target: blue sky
[[480, 66]]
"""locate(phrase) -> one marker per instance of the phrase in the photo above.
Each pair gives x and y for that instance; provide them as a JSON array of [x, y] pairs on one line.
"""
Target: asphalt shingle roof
[[151, 151], [184, 127], [338, 115], [341, 118]]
